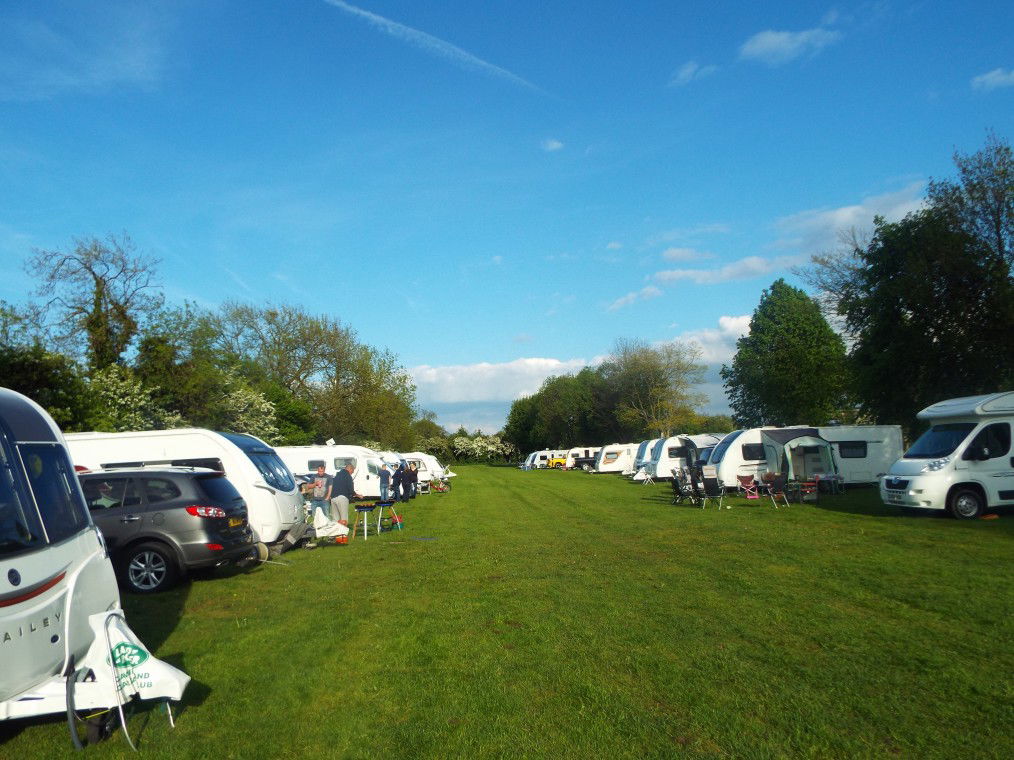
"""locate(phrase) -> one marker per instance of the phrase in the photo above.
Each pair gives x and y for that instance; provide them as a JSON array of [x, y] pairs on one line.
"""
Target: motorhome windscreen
[[940, 440], [719, 453], [20, 529], [54, 485]]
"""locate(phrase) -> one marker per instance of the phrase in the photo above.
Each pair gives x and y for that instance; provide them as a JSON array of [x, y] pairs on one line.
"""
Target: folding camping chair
[[713, 490], [681, 489], [747, 487], [776, 488]]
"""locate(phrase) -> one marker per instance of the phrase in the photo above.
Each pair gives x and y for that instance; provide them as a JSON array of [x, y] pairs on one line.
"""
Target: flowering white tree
[[481, 447], [123, 403], [246, 410]]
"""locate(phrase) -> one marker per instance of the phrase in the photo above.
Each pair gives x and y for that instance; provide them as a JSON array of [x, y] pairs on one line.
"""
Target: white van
[[273, 501], [64, 642], [963, 463], [304, 460]]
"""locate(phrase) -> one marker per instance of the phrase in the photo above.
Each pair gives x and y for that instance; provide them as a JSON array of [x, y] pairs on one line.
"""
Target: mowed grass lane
[[558, 614]]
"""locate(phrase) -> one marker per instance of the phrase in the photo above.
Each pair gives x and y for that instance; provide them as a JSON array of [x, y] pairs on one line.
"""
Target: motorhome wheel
[[966, 504], [149, 567]]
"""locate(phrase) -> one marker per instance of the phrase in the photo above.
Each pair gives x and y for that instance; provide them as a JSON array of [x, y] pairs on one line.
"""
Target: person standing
[[398, 479], [320, 495], [343, 492], [385, 482], [413, 480]]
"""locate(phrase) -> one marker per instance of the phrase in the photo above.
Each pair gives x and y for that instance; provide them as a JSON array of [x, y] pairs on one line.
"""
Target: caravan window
[[719, 453], [677, 452], [341, 462], [19, 523], [54, 486], [752, 452], [852, 449]]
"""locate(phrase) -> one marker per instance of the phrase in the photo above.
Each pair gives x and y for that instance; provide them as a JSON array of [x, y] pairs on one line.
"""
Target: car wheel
[[966, 504], [149, 568]]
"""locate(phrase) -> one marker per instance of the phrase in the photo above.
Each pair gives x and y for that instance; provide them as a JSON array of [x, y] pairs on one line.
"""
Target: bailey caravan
[[65, 643]]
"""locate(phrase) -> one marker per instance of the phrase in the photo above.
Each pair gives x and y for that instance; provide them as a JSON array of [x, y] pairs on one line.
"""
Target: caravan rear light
[[198, 511]]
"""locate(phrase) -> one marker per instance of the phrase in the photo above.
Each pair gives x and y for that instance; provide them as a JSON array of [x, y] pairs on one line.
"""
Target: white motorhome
[[863, 452], [273, 501], [616, 457], [963, 463], [673, 452], [64, 642], [304, 460]]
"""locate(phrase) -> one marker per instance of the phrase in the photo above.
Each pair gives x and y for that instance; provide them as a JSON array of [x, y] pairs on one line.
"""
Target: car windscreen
[[54, 485], [219, 489], [940, 440], [723, 446], [20, 529]]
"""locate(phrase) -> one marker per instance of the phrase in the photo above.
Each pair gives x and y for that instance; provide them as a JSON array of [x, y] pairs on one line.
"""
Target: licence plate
[[234, 521]]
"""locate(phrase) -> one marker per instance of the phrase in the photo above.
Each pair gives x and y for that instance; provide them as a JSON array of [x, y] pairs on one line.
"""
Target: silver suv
[[160, 522]]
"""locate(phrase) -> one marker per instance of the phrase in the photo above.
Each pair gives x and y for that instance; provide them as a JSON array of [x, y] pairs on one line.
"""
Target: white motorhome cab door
[[987, 460]]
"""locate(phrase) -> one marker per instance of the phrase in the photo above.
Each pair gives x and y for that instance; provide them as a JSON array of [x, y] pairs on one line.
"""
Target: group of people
[[401, 485], [333, 494]]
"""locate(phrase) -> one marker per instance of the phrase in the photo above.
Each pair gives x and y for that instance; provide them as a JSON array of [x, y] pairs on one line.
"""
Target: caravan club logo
[[127, 655]]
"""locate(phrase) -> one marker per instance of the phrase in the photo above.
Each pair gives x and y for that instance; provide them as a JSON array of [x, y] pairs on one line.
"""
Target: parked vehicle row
[[963, 463]]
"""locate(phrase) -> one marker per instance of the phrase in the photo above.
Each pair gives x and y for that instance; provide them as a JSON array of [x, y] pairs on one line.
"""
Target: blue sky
[[494, 191]]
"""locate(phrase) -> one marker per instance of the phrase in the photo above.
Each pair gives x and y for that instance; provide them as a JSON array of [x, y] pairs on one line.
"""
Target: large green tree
[[52, 380], [932, 312], [790, 368]]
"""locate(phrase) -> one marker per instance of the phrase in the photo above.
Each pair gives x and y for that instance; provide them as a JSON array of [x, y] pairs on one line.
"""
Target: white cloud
[[121, 47], [644, 294], [994, 79], [684, 234], [430, 44], [751, 266], [718, 345], [690, 71], [487, 381], [684, 254], [818, 230], [775, 48], [550, 145], [614, 246]]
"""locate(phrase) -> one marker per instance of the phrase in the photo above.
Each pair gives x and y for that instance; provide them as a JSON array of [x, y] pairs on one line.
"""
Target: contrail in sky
[[431, 44]]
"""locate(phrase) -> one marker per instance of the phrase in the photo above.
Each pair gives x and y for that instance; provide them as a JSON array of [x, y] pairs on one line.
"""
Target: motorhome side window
[[19, 523], [753, 452], [54, 486], [993, 441], [341, 462], [313, 464], [852, 449], [372, 468]]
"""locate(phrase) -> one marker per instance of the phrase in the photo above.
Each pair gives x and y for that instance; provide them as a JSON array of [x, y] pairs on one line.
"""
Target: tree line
[[101, 349]]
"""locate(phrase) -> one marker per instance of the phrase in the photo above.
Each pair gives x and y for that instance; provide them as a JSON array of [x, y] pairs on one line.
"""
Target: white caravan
[[963, 463], [64, 641], [616, 457], [273, 501], [304, 460], [643, 456], [427, 467], [673, 452], [582, 456], [864, 452], [739, 453]]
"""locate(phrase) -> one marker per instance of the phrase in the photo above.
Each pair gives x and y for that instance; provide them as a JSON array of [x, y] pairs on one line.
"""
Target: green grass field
[[563, 615]]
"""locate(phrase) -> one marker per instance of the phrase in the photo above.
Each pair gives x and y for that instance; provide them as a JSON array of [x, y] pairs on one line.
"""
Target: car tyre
[[149, 568], [965, 504]]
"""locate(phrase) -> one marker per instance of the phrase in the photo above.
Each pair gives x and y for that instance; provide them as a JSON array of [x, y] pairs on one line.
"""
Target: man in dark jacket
[[342, 492], [397, 481]]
